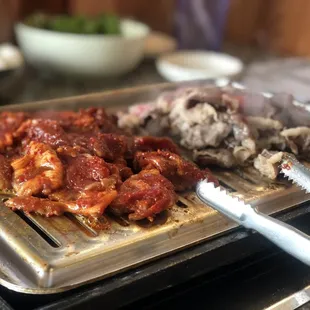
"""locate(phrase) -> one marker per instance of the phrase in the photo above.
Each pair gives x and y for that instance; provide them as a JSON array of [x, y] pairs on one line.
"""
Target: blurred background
[[265, 44]]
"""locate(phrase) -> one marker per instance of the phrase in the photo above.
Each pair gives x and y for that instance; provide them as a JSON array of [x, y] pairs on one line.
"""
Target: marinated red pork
[[145, 144], [83, 163], [9, 122], [38, 171], [144, 195], [90, 204], [181, 173], [6, 173]]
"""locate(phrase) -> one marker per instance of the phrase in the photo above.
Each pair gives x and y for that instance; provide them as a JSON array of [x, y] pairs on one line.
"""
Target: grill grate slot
[[82, 225], [227, 187], [181, 204], [252, 176], [120, 220], [51, 241], [233, 180]]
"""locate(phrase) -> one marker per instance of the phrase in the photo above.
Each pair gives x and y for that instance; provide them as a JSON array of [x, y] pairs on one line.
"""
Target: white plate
[[195, 65]]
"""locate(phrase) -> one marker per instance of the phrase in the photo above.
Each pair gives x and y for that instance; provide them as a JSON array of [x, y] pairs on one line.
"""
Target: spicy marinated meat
[[82, 163], [106, 123], [86, 171], [88, 203], [146, 144], [84, 119], [112, 146], [64, 118], [120, 170], [9, 122], [181, 173], [36, 205], [6, 173], [144, 195], [37, 171], [45, 131]]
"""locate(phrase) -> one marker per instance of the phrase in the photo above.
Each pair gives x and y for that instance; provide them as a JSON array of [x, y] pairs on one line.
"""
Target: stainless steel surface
[[286, 237], [42, 256], [293, 301], [296, 172]]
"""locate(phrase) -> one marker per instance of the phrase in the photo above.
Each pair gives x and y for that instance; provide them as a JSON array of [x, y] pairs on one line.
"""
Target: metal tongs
[[288, 238]]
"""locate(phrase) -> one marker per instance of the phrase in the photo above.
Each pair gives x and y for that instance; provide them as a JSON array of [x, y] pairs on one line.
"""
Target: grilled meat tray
[[50, 255]]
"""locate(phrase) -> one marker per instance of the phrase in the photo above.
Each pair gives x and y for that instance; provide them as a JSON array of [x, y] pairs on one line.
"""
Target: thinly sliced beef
[[267, 133], [241, 154], [298, 140], [267, 163], [197, 124], [219, 157], [199, 137]]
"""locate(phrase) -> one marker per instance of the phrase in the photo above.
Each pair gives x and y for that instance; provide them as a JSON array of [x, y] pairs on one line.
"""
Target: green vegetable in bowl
[[110, 24], [65, 24], [103, 24], [91, 27]]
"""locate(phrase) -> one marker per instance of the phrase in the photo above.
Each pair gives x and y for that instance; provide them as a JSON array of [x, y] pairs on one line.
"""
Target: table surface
[[28, 85]]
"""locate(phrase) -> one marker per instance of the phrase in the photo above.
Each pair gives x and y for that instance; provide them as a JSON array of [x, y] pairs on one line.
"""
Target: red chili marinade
[[82, 163]]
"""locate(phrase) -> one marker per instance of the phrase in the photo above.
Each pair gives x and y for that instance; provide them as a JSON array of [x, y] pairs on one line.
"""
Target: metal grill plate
[[44, 256]]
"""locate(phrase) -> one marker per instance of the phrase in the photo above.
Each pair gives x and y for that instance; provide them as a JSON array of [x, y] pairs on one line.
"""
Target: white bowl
[[195, 65], [83, 54]]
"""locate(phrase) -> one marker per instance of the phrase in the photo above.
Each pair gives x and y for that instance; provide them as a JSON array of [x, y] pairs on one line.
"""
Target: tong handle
[[286, 237]]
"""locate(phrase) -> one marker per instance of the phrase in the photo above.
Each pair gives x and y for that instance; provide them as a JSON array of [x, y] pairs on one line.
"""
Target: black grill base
[[216, 263]]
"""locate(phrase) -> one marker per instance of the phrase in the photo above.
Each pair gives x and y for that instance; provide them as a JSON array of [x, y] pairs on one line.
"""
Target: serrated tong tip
[[295, 172], [218, 198]]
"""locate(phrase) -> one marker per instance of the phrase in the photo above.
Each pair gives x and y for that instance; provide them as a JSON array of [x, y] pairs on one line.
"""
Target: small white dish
[[158, 43], [195, 65], [10, 57]]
